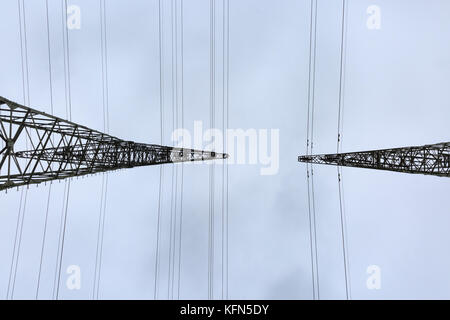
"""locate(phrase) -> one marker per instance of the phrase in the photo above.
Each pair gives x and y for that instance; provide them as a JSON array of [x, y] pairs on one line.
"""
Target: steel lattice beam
[[53, 148], [431, 159]]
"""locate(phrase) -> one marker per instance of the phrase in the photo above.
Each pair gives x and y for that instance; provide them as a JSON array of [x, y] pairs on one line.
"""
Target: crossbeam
[[433, 159], [36, 147]]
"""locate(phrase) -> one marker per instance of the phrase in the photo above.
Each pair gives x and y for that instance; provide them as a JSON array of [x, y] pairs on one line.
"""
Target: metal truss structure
[[53, 148], [431, 159]]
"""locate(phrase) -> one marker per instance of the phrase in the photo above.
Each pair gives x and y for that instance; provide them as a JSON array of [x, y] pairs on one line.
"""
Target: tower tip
[[304, 158]]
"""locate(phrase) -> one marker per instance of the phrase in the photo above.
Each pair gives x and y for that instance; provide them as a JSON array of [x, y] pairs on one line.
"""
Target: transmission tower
[[52, 148], [433, 159]]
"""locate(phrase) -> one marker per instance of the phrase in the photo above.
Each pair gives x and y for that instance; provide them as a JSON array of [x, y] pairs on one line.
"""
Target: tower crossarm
[[37, 147], [431, 159]]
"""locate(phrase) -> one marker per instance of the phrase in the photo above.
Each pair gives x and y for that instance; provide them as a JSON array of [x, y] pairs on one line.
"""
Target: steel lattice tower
[[53, 148], [433, 159]]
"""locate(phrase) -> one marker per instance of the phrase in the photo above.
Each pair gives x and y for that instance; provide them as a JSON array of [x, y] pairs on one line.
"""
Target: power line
[[68, 97], [104, 189], [51, 110], [172, 224], [227, 37], [63, 235], [309, 147], [179, 121], [43, 241], [225, 19], [211, 170], [313, 201], [95, 287], [339, 144], [59, 243], [341, 74], [161, 99], [307, 151], [16, 250], [105, 177], [24, 192], [182, 164]]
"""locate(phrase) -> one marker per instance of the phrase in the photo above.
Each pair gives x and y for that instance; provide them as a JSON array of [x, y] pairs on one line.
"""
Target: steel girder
[[53, 148], [431, 159]]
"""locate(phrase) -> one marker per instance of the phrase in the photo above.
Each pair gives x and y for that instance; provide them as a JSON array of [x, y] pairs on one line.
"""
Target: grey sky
[[395, 95]]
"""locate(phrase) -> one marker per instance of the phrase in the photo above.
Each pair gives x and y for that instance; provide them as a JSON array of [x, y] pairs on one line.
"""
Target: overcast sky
[[396, 94]]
